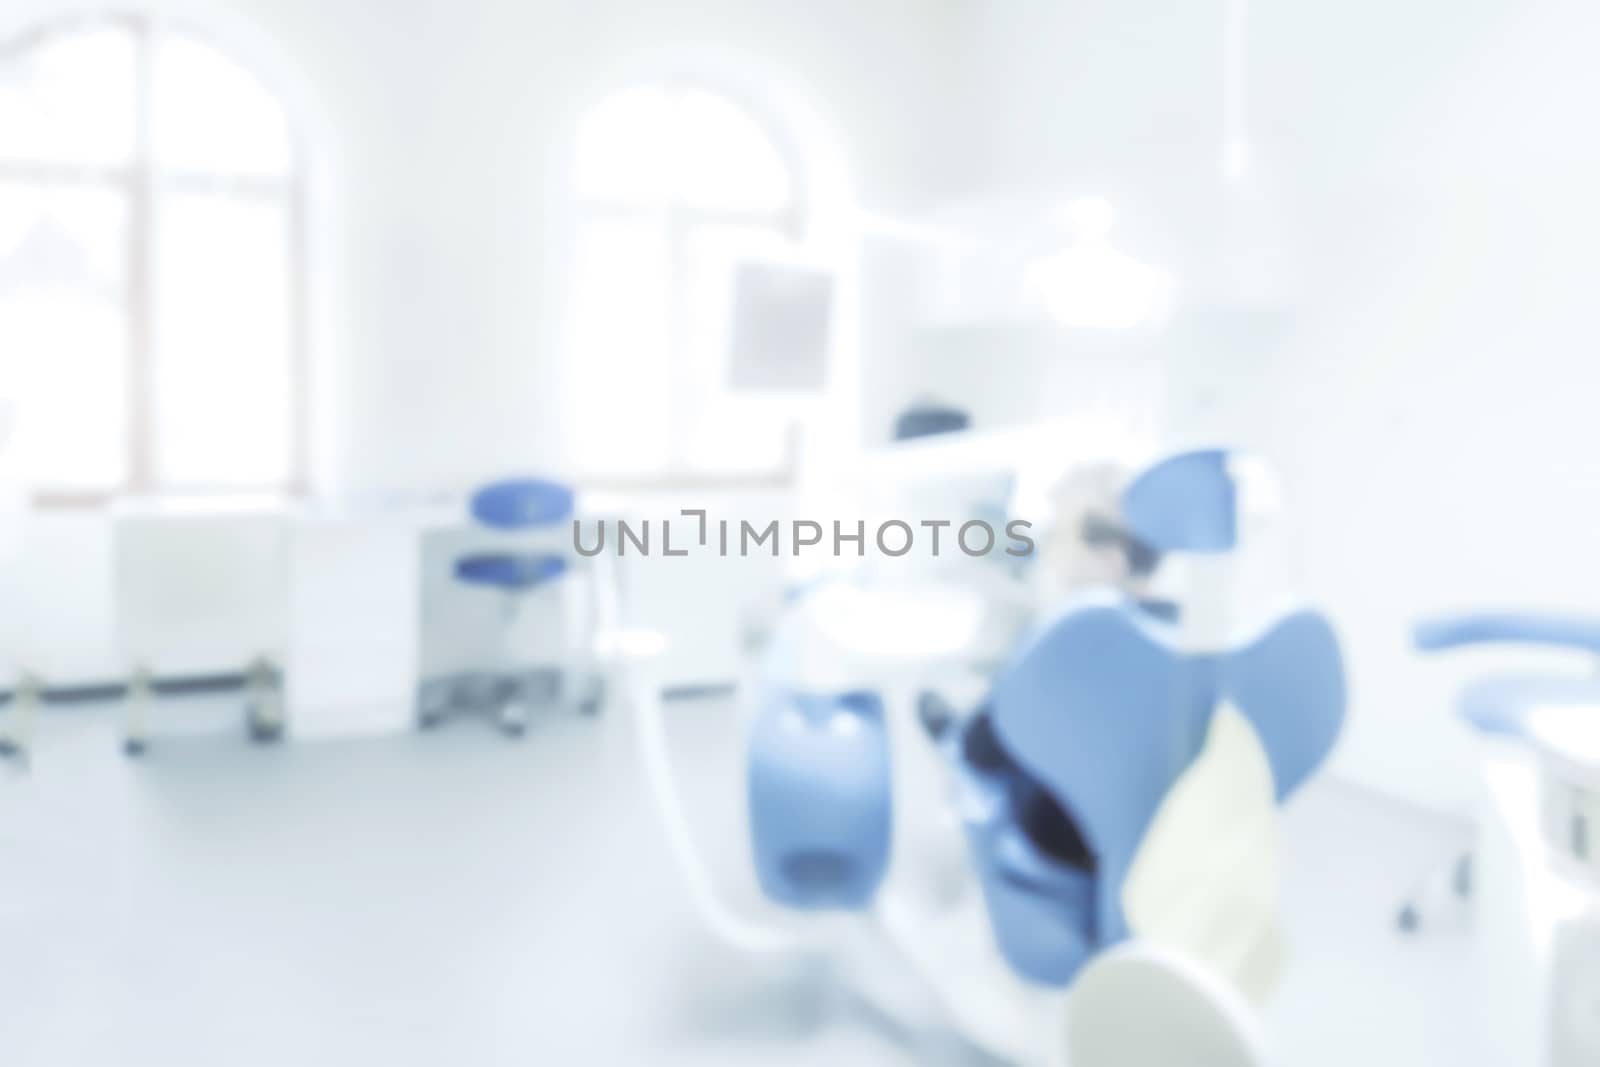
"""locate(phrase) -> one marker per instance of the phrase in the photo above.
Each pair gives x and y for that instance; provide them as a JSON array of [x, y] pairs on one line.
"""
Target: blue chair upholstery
[[1290, 684], [1185, 503], [1036, 902], [516, 504], [1555, 631], [510, 571], [820, 801], [1103, 713], [1039, 881], [1059, 777], [512, 504], [1099, 710], [521, 503], [1499, 705]]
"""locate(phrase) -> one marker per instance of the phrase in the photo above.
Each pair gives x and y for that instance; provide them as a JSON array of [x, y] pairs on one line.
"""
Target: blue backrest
[[1184, 503], [1289, 682], [1104, 713], [519, 503]]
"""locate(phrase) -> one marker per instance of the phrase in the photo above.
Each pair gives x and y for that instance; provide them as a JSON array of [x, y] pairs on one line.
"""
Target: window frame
[[144, 184], [677, 223]]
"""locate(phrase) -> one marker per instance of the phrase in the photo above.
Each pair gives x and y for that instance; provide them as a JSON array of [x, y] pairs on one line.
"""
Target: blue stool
[[515, 504], [1497, 707]]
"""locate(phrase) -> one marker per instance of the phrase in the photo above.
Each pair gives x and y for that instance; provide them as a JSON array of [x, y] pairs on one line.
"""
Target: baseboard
[[97, 692], [699, 690], [94, 692]]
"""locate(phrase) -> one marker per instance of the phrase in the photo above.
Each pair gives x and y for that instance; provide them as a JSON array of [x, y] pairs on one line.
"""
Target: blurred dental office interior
[[940, 532]]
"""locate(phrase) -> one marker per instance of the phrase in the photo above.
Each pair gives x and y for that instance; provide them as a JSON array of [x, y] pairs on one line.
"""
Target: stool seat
[[1500, 705], [513, 571]]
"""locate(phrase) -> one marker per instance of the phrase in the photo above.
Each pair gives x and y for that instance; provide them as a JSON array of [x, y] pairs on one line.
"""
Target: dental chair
[[1112, 805], [1499, 708], [517, 573], [1085, 738], [1112, 736]]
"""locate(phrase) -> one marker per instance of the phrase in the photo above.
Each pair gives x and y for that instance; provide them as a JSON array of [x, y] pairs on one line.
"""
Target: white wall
[[57, 620], [1428, 173], [1440, 409]]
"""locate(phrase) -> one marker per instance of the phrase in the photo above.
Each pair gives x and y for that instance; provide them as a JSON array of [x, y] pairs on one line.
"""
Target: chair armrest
[[1454, 631], [1141, 1002]]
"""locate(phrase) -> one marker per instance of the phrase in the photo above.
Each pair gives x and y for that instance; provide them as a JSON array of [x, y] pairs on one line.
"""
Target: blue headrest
[[521, 502], [1185, 503]]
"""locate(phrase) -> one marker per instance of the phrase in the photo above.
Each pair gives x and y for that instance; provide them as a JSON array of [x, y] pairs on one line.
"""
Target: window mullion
[[683, 401], [35, 173], [785, 220], [143, 210], [299, 413], [238, 187]]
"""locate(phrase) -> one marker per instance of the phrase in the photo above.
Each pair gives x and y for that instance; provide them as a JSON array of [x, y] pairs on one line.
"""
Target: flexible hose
[[724, 921]]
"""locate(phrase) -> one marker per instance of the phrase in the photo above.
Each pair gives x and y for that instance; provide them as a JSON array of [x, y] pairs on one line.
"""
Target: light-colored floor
[[454, 898]]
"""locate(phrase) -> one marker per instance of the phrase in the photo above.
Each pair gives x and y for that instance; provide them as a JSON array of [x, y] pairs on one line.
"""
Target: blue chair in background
[[1498, 707], [515, 505]]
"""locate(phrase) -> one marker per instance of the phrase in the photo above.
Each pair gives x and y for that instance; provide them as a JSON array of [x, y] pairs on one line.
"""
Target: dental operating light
[[1093, 285]]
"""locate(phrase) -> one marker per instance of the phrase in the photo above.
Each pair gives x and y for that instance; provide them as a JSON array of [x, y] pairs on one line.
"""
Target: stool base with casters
[[264, 702], [1444, 890], [506, 697], [17, 744], [517, 575], [264, 722], [136, 735]]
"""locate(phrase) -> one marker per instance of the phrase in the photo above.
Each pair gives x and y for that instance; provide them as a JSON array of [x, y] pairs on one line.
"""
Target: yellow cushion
[[1205, 879]]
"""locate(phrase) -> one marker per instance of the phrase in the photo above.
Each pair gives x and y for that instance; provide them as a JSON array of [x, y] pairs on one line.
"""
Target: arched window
[[151, 268], [675, 185]]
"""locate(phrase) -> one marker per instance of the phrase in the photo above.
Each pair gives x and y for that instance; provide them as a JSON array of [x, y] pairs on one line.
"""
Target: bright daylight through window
[[151, 266]]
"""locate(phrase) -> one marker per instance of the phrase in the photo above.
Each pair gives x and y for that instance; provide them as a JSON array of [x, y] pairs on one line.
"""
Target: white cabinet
[[354, 621]]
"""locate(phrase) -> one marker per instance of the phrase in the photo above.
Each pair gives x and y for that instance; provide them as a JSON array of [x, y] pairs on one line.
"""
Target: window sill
[[57, 500], [673, 480]]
